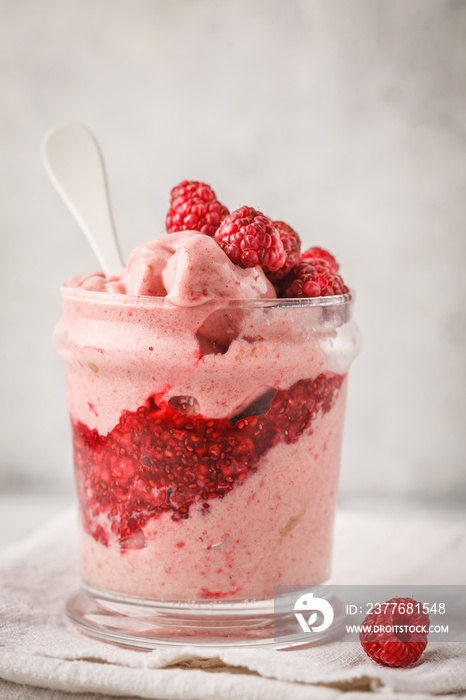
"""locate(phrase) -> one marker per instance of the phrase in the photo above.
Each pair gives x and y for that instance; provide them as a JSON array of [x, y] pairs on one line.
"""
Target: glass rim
[[127, 300]]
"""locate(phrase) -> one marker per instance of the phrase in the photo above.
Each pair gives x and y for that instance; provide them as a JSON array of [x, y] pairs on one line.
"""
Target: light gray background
[[345, 118]]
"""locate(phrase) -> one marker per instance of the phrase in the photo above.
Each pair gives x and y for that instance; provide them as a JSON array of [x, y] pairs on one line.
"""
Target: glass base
[[144, 624]]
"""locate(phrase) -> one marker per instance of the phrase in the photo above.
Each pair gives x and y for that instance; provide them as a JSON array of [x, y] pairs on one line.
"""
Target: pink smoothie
[[207, 420]]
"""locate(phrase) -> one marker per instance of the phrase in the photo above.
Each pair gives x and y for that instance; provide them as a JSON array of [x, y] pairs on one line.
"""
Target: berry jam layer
[[159, 459], [176, 506]]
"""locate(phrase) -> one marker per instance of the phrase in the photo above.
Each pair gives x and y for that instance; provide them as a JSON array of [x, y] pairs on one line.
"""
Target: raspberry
[[193, 189], [292, 246], [312, 253], [406, 637], [164, 456], [312, 278], [194, 207], [248, 238]]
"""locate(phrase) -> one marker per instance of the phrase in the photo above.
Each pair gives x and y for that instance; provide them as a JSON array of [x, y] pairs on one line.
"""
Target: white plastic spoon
[[74, 164]]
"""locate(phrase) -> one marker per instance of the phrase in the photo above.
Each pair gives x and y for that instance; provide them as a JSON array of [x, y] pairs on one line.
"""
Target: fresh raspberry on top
[[312, 278], [292, 246], [192, 189], [315, 252], [248, 238], [404, 637], [194, 207]]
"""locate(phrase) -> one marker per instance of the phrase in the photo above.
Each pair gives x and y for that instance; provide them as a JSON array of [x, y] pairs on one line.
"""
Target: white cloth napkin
[[40, 649]]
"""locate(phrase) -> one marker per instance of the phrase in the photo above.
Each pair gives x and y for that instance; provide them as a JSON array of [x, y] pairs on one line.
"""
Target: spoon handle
[[74, 164]]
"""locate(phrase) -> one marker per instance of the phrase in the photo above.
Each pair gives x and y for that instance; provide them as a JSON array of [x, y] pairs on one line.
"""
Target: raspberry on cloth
[[396, 645]]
